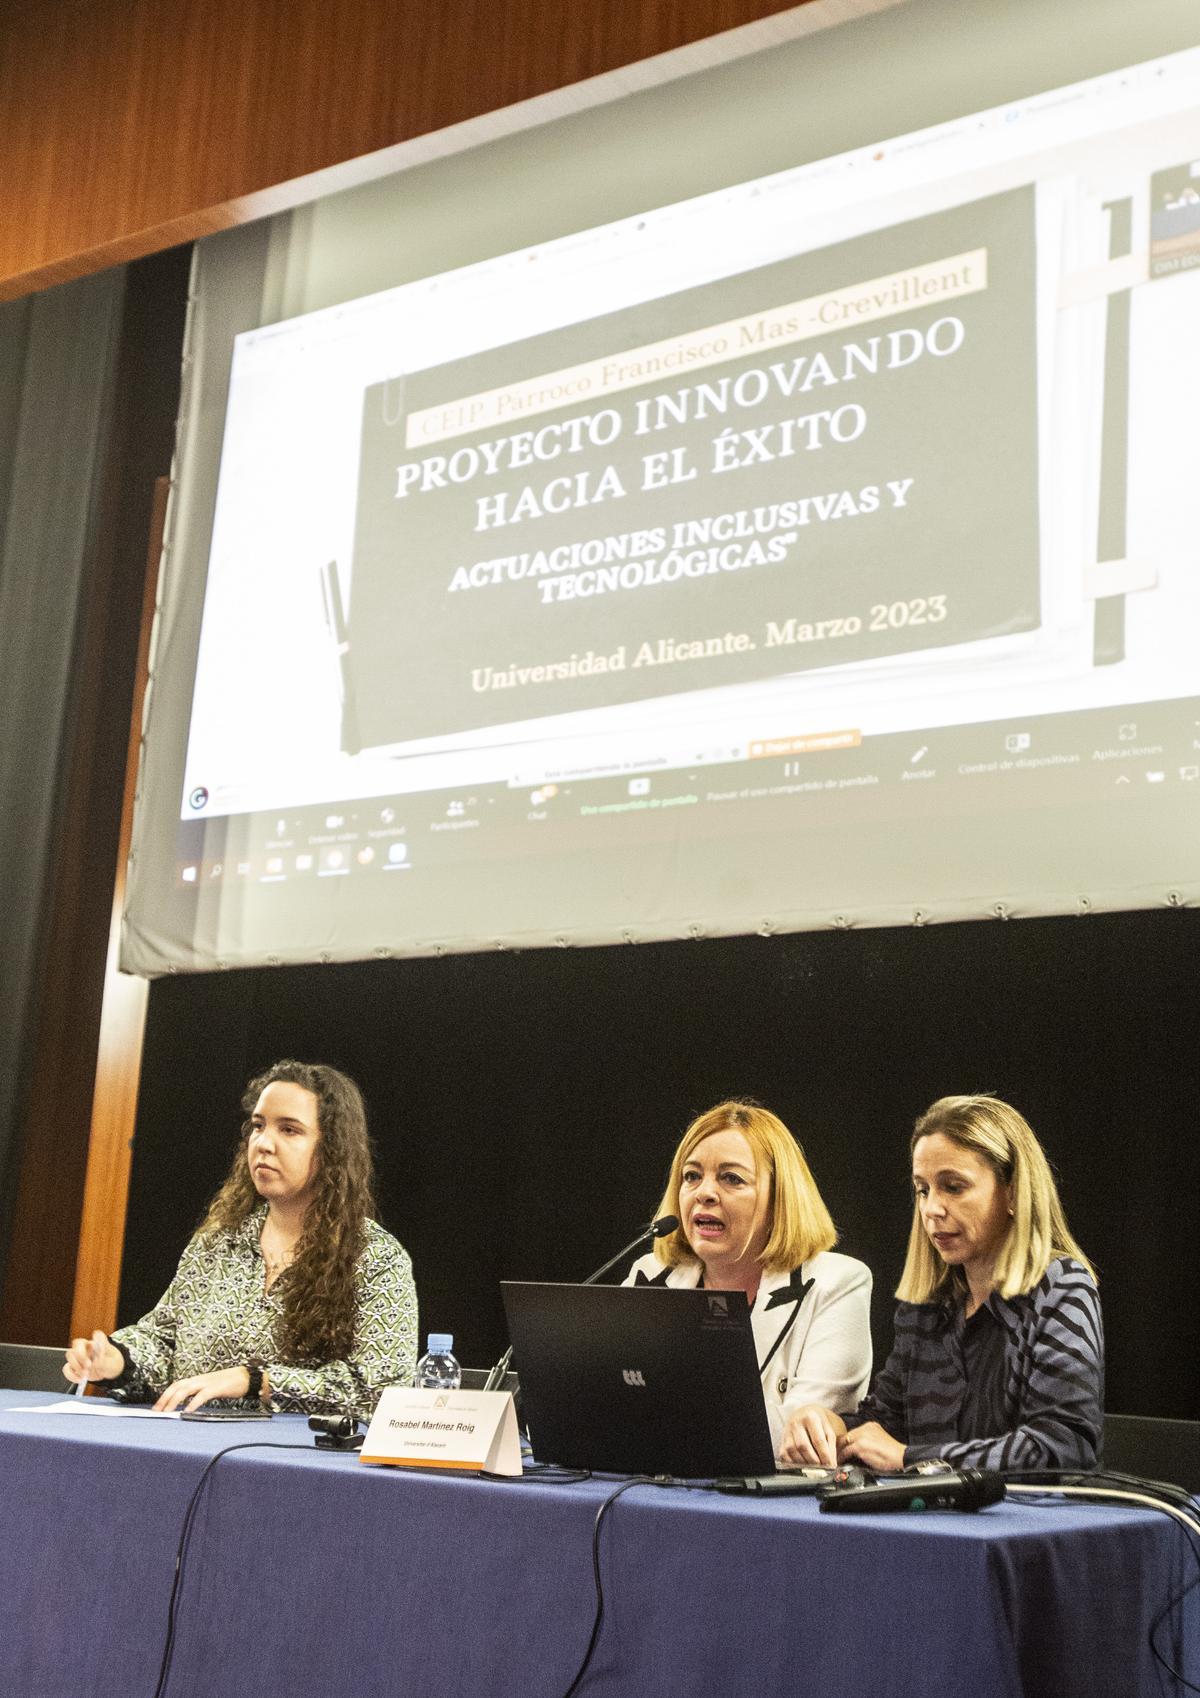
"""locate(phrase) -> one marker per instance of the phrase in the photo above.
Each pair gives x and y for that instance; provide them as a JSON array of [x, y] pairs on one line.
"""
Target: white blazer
[[812, 1330]]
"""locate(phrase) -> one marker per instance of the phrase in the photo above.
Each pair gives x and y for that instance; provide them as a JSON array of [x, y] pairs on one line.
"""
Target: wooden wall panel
[[127, 126], [122, 1029]]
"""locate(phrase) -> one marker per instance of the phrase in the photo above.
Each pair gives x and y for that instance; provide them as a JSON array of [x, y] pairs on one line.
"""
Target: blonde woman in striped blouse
[[998, 1359]]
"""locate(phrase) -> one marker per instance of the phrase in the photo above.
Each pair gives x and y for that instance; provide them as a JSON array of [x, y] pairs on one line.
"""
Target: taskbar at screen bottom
[[1123, 759]]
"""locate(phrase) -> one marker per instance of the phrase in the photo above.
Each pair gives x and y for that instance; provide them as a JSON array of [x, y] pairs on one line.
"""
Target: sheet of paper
[[90, 1406]]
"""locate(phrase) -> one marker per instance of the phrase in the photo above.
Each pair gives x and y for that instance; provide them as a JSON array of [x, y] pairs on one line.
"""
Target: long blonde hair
[[1038, 1233], [801, 1225]]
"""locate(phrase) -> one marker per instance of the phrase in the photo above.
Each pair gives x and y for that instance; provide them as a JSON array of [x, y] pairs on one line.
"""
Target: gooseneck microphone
[[657, 1229], [968, 1488]]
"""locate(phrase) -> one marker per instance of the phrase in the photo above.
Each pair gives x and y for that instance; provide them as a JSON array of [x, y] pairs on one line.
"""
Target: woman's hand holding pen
[[95, 1358]]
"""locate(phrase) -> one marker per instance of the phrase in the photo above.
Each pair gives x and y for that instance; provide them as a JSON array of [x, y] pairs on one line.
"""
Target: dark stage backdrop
[[525, 1106]]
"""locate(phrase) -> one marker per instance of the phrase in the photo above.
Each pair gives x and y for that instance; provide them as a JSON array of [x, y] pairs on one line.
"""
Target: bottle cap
[[440, 1343]]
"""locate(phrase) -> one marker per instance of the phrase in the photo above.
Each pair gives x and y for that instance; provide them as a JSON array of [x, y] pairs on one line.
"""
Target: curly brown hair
[[318, 1289]]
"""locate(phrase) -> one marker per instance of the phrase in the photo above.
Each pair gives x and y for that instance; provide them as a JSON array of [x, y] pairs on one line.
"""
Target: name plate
[[418, 1428]]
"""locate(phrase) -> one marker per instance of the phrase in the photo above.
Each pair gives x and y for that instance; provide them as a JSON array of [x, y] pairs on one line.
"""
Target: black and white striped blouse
[[1043, 1411]]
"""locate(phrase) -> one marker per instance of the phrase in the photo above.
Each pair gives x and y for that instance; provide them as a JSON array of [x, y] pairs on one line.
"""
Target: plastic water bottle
[[438, 1369]]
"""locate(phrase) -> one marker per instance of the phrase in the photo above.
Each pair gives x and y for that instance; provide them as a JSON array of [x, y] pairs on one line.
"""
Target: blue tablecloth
[[312, 1575]]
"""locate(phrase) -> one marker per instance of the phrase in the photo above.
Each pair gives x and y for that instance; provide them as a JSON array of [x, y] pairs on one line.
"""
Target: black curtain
[[89, 388], [525, 1106], [58, 358]]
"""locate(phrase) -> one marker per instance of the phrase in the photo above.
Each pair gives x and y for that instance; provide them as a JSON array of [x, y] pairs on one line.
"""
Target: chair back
[[1154, 1448], [32, 1367], [474, 1379]]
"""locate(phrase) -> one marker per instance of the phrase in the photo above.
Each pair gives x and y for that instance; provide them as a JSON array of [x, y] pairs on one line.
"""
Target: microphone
[[966, 1488], [657, 1229]]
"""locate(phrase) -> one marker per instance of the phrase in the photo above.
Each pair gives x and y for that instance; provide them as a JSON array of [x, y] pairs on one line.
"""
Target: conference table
[[312, 1575]]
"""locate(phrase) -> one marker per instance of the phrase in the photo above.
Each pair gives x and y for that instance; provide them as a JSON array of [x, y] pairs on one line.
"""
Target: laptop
[[639, 1379]]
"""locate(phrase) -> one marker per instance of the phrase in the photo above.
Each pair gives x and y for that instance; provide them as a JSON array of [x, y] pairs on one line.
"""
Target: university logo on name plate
[[475, 1431]]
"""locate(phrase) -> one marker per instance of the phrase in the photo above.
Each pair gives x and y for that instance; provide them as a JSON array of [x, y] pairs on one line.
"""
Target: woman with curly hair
[[290, 1294]]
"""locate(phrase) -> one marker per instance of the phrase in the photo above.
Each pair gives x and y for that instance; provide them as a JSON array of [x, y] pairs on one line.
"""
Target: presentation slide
[[721, 484], [866, 484]]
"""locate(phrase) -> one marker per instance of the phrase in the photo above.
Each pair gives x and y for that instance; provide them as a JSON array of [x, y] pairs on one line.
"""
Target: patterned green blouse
[[215, 1314]]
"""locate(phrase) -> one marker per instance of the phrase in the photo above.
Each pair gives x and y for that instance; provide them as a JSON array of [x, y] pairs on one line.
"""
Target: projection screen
[[766, 501]]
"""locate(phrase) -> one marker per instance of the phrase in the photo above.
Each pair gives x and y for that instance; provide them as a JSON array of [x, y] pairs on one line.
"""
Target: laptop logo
[[633, 1377], [718, 1307]]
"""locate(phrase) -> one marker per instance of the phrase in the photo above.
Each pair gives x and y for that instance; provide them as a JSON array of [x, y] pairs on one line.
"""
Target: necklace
[[276, 1260]]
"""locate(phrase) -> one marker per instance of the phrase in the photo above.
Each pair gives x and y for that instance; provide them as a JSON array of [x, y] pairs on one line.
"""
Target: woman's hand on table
[[874, 1447], [811, 1436], [199, 1389]]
